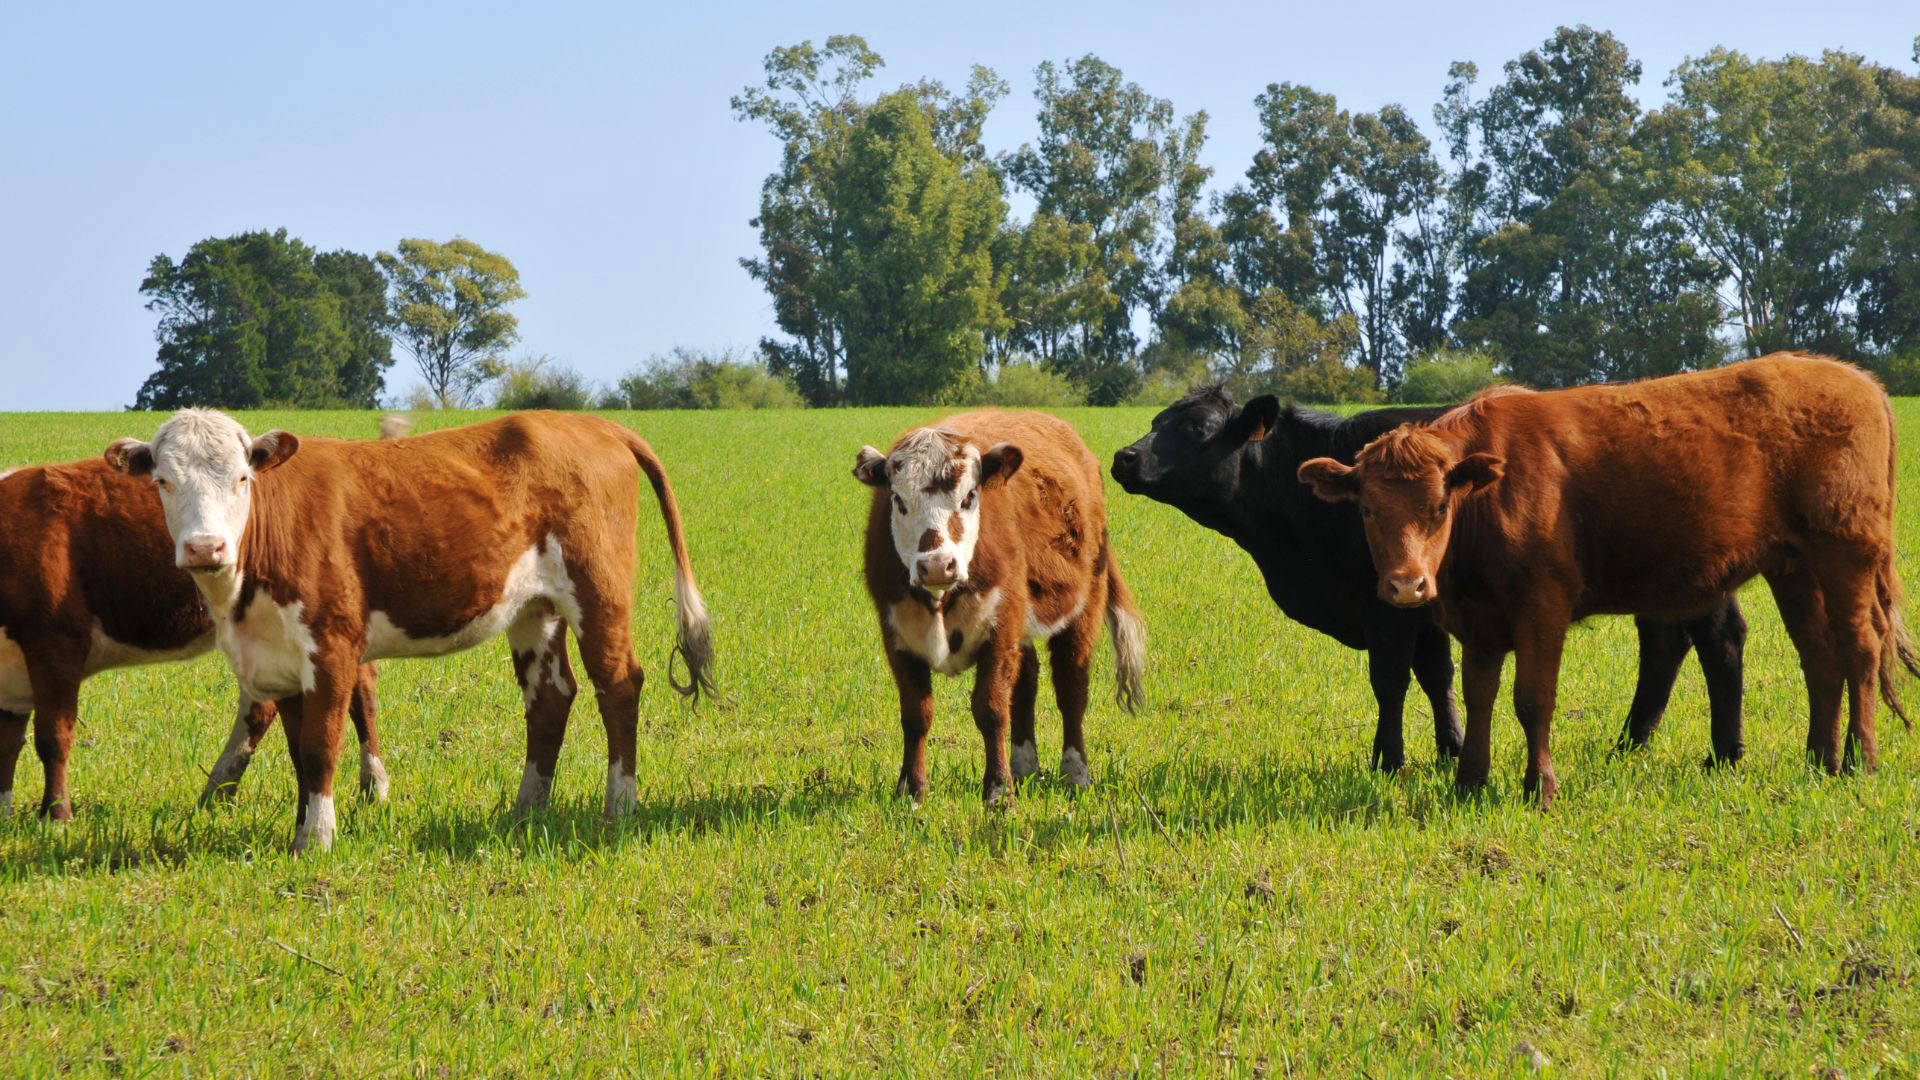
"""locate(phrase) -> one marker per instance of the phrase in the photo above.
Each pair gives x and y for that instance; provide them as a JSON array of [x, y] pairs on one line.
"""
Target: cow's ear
[[131, 456], [1000, 462], [272, 449], [1476, 471], [1257, 419], [870, 467], [1331, 480]]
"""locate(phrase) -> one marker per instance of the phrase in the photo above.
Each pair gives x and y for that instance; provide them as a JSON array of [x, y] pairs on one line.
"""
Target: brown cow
[[1522, 512], [315, 553], [87, 583], [988, 533]]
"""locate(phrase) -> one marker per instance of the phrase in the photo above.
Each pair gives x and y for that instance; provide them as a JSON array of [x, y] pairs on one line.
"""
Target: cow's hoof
[[997, 794], [373, 778], [1073, 769], [1024, 760], [910, 787]]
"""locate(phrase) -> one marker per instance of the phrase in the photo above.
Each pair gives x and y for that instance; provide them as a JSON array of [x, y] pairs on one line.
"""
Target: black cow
[[1234, 471]]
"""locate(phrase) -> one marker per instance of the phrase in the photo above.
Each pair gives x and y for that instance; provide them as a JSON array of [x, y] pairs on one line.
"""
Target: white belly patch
[[103, 653], [16, 690], [538, 574], [931, 635]]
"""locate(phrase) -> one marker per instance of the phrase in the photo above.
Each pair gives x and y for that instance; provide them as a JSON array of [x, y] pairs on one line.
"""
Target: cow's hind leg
[[1024, 757], [13, 738], [56, 708], [1433, 667], [1720, 640], [1804, 612], [1663, 648], [606, 649], [1850, 584], [250, 723], [538, 641], [361, 709], [1070, 660]]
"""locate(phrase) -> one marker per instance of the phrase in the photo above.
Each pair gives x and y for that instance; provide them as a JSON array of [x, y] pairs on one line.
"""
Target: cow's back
[[83, 543], [435, 523], [1669, 492]]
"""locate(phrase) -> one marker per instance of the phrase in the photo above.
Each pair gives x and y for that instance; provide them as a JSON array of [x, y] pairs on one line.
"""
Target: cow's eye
[[163, 485], [1366, 511], [900, 505], [967, 503]]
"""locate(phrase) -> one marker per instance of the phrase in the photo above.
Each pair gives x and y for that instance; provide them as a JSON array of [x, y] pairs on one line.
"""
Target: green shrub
[[1445, 377], [538, 383], [689, 379], [1329, 381], [1899, 374], [1022, 385]]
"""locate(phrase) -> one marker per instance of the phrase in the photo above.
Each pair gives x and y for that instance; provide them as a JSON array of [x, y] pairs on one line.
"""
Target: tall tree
[[449, 311], [258, 319], [914, 288], [1777, 169], [356, 281], [1569, 275], [1100, 163], [809, 101]]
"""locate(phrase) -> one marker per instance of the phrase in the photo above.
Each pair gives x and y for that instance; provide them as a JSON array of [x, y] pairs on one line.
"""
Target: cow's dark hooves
[[1718, 761]]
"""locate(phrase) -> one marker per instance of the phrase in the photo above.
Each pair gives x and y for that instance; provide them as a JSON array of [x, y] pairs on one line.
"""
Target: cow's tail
[[695, 646], [1896, 648], [1129, 635]]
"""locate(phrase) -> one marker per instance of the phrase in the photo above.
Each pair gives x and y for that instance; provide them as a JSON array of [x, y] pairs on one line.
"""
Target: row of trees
[[262, 318], [1560, 228]]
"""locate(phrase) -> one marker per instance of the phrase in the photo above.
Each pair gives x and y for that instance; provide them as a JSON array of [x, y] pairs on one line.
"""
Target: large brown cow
[[987, 533], [315, 553], [87, 583], [1521, 512]]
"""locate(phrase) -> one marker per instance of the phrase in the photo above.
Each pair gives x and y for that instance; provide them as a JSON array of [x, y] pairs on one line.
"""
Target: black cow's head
[[1191, 457]]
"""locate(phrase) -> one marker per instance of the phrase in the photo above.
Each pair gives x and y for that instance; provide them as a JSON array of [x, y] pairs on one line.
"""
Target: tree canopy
[[260, 319], [449, 305]]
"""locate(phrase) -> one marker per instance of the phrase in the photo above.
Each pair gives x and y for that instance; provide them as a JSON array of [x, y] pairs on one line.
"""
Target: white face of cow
[[935, 482], [203, 464]]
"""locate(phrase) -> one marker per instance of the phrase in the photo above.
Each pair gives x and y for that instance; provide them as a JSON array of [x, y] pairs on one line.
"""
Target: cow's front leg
[[13, 738], [915, 681], [1389, 663], [323, 722], [1480, 681], [1536, 682], [250, 723], [997, 671]]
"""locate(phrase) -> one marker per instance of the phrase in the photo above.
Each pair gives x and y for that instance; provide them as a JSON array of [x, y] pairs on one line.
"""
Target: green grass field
[[1236, 893]]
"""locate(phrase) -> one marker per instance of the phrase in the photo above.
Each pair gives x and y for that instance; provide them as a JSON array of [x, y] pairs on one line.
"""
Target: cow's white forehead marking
[[925, 456], [204, 437]]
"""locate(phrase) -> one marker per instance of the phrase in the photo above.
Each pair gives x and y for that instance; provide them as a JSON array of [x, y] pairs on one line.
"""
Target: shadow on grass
[[1181, 798]]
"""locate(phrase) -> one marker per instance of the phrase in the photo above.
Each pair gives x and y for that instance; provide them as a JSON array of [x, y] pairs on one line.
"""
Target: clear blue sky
[[594, 146]]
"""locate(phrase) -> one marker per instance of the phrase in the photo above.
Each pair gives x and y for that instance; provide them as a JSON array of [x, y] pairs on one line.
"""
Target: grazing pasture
[[1238, 892]]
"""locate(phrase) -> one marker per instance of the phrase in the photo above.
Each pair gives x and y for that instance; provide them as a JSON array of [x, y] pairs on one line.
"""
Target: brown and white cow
[[87, 583], [315, 553], [988, 532], [1522, 512]]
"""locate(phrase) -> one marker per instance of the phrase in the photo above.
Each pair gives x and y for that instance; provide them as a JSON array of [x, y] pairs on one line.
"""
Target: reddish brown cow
[[315, 553], [87, 583], [1521, 512], [988, 533]]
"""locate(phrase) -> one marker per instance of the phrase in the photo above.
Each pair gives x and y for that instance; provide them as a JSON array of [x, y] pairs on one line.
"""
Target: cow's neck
[[221, 590]]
